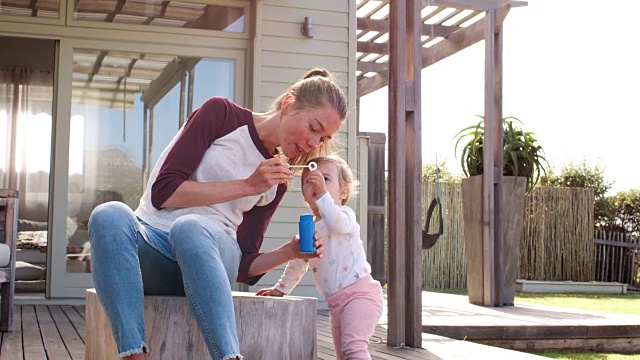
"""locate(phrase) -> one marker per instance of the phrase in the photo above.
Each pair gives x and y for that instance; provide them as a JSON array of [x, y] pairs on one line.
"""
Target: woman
[[202, 217]]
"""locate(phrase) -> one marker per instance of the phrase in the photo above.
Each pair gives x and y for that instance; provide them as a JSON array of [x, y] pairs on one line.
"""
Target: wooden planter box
[[507, 253]]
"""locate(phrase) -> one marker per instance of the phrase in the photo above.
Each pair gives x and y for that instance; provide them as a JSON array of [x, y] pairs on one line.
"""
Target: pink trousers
[[355, 311]]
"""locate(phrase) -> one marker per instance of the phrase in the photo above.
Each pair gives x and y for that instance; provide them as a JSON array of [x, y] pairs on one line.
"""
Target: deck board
[[68, 333], [33, 346], [11, 348], [76, 316], [62, 329], [529, 326], [51, 337]]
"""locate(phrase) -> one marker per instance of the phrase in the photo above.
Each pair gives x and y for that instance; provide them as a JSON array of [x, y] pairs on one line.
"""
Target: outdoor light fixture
[[307, 27]]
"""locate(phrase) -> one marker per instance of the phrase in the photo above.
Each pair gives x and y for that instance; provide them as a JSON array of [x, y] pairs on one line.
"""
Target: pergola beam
[[483, 5], [457, 41], [382, 25]]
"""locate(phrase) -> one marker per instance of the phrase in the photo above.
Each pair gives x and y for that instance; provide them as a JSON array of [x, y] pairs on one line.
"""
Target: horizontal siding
[[304, 62], [287, 76], [307, 5], [293, 30], [335, 18], [285, 55], [274, 89], [300, 44]]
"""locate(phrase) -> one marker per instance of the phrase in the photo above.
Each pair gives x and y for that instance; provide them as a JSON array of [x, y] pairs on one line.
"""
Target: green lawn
[[628, 304], [586, 356], [620, 304]]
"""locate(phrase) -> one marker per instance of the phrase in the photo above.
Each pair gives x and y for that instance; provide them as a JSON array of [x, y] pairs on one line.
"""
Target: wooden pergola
[[396, 40]]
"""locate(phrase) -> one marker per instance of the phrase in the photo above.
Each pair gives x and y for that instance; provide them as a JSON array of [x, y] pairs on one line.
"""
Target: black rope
[[428, 240]]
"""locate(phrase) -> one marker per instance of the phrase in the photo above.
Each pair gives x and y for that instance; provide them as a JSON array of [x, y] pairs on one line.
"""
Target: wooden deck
[[57, 332], [530, 327]]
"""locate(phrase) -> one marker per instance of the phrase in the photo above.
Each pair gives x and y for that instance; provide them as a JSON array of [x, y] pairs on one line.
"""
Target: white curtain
[[25, 135]]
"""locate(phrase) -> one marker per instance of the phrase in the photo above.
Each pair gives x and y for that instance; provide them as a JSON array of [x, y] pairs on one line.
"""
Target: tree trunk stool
[[268, 328]]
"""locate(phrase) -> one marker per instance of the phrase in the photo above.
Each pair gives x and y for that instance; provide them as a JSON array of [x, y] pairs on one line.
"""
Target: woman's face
[[303, 130]]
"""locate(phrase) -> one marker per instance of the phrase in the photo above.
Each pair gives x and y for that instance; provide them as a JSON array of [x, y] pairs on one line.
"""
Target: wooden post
[[413, 179], [376, 197], [501, 251], [396, 285], [405, 165], [489, 154], [9, 228], [492, 184]]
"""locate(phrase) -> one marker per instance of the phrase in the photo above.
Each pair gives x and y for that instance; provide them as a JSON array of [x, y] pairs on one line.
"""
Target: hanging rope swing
[[428, 240]]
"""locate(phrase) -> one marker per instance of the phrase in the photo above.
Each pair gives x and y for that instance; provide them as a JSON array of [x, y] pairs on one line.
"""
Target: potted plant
[[523, 164], [521, 156]]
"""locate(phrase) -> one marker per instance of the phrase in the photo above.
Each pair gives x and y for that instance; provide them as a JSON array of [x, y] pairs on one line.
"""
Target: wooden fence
[[617, 258], [557, 243], [444, 265]]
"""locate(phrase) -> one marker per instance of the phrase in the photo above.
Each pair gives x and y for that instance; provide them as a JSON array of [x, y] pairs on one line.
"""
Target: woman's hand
[[294, 246], [270, 292], [270, 172]]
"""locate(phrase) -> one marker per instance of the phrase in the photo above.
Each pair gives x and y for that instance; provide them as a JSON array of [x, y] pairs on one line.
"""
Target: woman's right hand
[[270, 292], [270, 172]]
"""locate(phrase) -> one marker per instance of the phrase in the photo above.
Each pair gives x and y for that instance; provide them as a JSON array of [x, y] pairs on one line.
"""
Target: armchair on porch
[[8, 235]]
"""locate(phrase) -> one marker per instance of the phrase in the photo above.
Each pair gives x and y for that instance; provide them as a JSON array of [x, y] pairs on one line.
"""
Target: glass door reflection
[[126, 108]]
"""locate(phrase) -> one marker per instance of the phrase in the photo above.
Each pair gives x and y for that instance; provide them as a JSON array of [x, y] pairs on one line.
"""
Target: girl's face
[[314, 188], [302, 130]]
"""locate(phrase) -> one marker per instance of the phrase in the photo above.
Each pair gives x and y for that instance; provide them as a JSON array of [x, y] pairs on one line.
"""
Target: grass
[[565, 355], [628, 304]]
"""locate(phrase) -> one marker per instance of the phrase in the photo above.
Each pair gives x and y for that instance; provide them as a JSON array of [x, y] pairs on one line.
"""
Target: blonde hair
[[345, 175], [316, 89]]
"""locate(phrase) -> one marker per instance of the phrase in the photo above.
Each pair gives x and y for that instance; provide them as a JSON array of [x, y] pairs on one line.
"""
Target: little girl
[[342, 275]]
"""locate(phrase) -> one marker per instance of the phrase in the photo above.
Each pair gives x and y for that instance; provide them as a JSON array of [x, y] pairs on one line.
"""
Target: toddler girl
[[342, 275]]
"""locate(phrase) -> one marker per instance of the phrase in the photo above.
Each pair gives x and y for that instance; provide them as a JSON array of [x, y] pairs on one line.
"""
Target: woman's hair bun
[[317, 72]]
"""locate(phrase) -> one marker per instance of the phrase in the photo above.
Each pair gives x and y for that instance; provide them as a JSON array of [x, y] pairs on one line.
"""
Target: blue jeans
[[195, 258]]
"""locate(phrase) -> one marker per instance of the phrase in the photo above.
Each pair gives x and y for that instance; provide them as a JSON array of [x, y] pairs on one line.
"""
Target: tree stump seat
[[268, 328]]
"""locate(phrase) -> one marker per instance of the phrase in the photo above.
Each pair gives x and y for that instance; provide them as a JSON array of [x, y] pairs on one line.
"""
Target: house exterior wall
[[271, 56], [281, 57]]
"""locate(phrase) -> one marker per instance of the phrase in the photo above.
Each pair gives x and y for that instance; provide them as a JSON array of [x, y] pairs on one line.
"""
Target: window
[[126, 108]]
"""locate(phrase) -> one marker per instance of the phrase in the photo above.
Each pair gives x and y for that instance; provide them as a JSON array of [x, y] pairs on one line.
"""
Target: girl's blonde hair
[[345, 175], [316, 89]]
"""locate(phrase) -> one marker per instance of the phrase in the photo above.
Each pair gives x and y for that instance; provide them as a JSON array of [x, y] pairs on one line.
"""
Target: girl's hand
[[315, 180], [270, 292], [270, 172], [294, 245]]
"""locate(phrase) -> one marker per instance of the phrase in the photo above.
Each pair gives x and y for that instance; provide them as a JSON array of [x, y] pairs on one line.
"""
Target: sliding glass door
[[124, 103], [26, 108]]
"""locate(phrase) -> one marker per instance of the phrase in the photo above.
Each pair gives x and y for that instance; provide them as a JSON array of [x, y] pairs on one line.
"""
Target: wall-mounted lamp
[[307, 27]]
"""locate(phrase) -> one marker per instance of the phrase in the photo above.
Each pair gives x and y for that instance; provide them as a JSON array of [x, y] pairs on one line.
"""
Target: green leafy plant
[[444, 175], [522, 155]]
